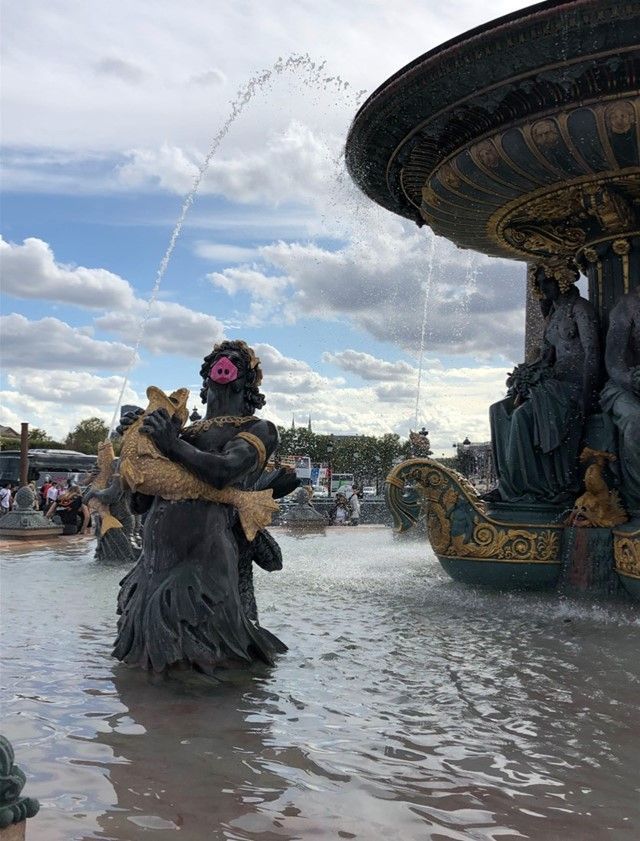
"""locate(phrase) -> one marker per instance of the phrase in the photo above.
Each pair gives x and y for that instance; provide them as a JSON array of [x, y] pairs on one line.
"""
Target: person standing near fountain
[[537, 430], [621, 395], [180, 606]]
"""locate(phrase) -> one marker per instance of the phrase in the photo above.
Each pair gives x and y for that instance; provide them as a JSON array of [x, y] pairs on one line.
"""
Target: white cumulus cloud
[[30, 270], [52, 344]]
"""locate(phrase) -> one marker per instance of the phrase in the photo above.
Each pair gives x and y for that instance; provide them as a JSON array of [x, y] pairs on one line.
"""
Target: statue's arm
[[107, 496], [239, 457], [618, 338], [588, 332], [547, 354]]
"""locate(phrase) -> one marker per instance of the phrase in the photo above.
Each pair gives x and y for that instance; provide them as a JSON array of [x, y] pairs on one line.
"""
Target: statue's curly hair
[[566, 272], [253, 398]]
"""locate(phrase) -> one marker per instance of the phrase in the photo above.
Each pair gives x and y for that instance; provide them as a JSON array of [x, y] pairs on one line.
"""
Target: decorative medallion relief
[[626, 551], [541, 188]]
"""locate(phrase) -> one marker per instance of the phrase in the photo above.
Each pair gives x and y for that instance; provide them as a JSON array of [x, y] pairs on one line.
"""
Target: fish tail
[[109, 522]]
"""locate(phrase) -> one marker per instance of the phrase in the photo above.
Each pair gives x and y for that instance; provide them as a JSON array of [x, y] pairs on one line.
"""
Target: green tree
[[40, 439], [87, 435], [38, 434], [368, 457]]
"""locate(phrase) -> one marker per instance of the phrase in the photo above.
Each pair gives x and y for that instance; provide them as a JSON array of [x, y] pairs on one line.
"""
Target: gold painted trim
[[256, 443], [563, 123], [484, 169], [499, 560], [502, 217], [600, 281], [603, 136], [622, 247], [631, 95], [527, 136], [397, 483], [627, 574], [608, 238], [513, 165], [626, 553], [410, 462]]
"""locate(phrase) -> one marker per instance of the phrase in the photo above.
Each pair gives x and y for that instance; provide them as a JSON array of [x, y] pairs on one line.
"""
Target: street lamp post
[[356, 460], [465, 457], [329, 454], [377, 461]]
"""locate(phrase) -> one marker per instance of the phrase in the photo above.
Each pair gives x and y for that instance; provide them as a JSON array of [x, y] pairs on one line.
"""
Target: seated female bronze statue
[[181, 604], [537, 430]]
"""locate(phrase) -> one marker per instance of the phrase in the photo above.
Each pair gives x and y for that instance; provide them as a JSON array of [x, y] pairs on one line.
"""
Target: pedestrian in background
[[5, 499], [354, 502]]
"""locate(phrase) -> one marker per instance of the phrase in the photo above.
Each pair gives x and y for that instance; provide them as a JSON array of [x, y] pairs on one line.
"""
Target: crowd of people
[[53, 498], [346, 509]]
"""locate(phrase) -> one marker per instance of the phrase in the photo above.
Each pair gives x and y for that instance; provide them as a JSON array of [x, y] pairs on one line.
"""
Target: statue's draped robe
[[184, 602], [624, 409], [536, 444]]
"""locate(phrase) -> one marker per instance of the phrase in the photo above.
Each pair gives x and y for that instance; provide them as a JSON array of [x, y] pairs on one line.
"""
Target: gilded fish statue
[[599, 506], [104, 464], [145, 470]]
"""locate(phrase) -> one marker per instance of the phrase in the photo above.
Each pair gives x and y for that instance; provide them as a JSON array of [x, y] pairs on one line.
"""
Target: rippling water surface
[[408, 707]]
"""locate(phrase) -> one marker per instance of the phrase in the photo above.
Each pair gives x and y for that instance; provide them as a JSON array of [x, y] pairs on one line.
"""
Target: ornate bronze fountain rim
[[433, 147]]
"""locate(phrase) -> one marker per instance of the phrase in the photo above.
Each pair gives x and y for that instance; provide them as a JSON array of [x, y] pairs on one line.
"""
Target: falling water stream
[[314, 75], [423, 329]]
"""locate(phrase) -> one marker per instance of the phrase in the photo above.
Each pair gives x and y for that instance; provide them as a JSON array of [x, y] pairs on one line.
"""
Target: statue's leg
[[625, 413], [500, 422], [522, 475]]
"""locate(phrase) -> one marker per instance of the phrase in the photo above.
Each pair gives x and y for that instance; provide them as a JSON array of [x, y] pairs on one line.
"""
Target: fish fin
[[109, 522], [130, 476]]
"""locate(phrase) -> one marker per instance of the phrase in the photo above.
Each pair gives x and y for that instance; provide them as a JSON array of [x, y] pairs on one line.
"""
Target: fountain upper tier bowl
[[518, 139]]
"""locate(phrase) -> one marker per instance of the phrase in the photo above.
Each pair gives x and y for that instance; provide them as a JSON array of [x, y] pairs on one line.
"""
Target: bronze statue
[[116, 540], [182, 604], [536, 431], [621, 394]]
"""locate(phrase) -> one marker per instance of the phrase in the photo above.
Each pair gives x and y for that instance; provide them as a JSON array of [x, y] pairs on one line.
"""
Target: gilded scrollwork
[[457, 521], [626, 551]]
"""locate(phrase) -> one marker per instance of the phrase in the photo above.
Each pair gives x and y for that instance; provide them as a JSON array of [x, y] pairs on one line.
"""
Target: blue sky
[[108, 111]]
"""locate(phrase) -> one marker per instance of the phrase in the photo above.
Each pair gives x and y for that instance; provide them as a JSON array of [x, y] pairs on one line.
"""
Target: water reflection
[[186, 756], [407, 704]]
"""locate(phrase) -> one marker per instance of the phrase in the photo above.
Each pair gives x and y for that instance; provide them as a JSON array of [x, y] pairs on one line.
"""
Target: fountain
[[520, 139]]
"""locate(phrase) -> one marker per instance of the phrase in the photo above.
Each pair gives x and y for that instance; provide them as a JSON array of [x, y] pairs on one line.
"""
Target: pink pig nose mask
[[223, 371]]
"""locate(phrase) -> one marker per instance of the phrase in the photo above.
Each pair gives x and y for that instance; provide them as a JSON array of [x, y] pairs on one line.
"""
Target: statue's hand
[[127, 419], [162, 429]]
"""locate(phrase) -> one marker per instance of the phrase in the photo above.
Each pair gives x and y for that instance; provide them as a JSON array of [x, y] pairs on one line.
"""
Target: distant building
[[8, 432]]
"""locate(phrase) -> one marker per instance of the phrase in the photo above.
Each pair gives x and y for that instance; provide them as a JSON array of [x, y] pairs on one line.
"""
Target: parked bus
[[46, 465], [340, 480]]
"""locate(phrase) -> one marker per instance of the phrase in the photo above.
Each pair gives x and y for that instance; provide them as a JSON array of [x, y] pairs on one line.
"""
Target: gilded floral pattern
[[456, 518]]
